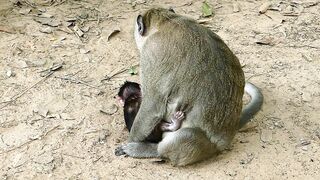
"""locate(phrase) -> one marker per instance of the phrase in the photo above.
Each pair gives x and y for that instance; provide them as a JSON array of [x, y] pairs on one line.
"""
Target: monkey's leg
[[138, 150], [175, 124], [186, 146], [148, 150], [150, 114]]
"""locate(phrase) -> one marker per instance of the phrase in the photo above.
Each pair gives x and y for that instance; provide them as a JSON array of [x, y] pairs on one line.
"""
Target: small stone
[[22, 64], [66, 116], [84, 51], [304, 142], [266, 136], [84, 15], [231, 173], [305, 148], [41, 110], [278, 125], [306, 97], [9, 73]]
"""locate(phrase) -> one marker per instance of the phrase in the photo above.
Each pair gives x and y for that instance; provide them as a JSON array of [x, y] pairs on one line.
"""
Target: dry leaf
[[110, 109], [24, 11], [45, 15], [311, 3], [290, 10], [47, 21], [47, 30], [206, 9], [113, 33], [78, 31]]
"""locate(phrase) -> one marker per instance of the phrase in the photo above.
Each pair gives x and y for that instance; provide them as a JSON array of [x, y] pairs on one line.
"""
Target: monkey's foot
[[175, 123], [138, 150]]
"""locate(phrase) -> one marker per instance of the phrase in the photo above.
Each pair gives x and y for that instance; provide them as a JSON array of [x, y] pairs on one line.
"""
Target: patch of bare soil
[[62, 62]]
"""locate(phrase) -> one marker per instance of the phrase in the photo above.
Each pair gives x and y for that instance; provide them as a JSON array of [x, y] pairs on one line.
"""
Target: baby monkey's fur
[[186, 67], [129, 97]]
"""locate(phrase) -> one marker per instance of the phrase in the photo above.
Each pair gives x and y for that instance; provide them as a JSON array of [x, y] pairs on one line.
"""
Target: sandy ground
[[59, 118]]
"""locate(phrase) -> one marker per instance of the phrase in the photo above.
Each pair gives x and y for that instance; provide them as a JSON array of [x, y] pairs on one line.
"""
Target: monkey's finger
[[179, 115]]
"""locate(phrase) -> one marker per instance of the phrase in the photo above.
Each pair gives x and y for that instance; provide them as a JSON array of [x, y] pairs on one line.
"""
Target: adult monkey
[[186, 67]]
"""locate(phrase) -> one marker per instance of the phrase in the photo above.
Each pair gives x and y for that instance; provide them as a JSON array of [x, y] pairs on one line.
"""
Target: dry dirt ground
[[62, 62]]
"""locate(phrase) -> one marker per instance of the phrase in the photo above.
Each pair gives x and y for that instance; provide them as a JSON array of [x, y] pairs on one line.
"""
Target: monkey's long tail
[[254, 105]]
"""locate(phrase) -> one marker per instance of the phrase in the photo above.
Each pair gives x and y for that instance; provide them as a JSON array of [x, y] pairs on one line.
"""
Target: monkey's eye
[[140, 25]]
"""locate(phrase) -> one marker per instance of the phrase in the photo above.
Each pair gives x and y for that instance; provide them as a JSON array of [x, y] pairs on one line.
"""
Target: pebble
[[306, 97], [266, 136]]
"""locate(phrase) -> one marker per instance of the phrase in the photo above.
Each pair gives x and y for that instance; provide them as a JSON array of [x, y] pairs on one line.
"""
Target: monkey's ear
[[120, 101], [140, 24], [171, 10]]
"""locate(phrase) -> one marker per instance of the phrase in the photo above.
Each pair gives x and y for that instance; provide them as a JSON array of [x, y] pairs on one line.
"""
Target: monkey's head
[[129, 91], [149, 23]]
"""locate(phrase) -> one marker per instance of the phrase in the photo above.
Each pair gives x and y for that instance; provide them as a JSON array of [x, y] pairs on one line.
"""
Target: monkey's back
[[196, 72]]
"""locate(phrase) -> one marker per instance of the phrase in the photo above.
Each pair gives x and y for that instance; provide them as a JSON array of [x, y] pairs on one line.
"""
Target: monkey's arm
[[151, 112]]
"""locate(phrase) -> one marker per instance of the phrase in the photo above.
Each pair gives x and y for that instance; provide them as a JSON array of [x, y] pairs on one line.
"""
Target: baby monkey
[[129, 97]]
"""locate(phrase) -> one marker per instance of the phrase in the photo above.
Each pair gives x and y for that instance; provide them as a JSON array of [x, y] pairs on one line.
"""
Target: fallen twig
[[49, 131], [76, 81], [14, 98], [54, 67], [73, 156], [94, 161], [49, 71], [304, 46], [108, 78]]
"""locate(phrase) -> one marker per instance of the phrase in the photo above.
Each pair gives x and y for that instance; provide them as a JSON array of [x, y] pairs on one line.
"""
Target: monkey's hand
[[148, 117], [138, 150]]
